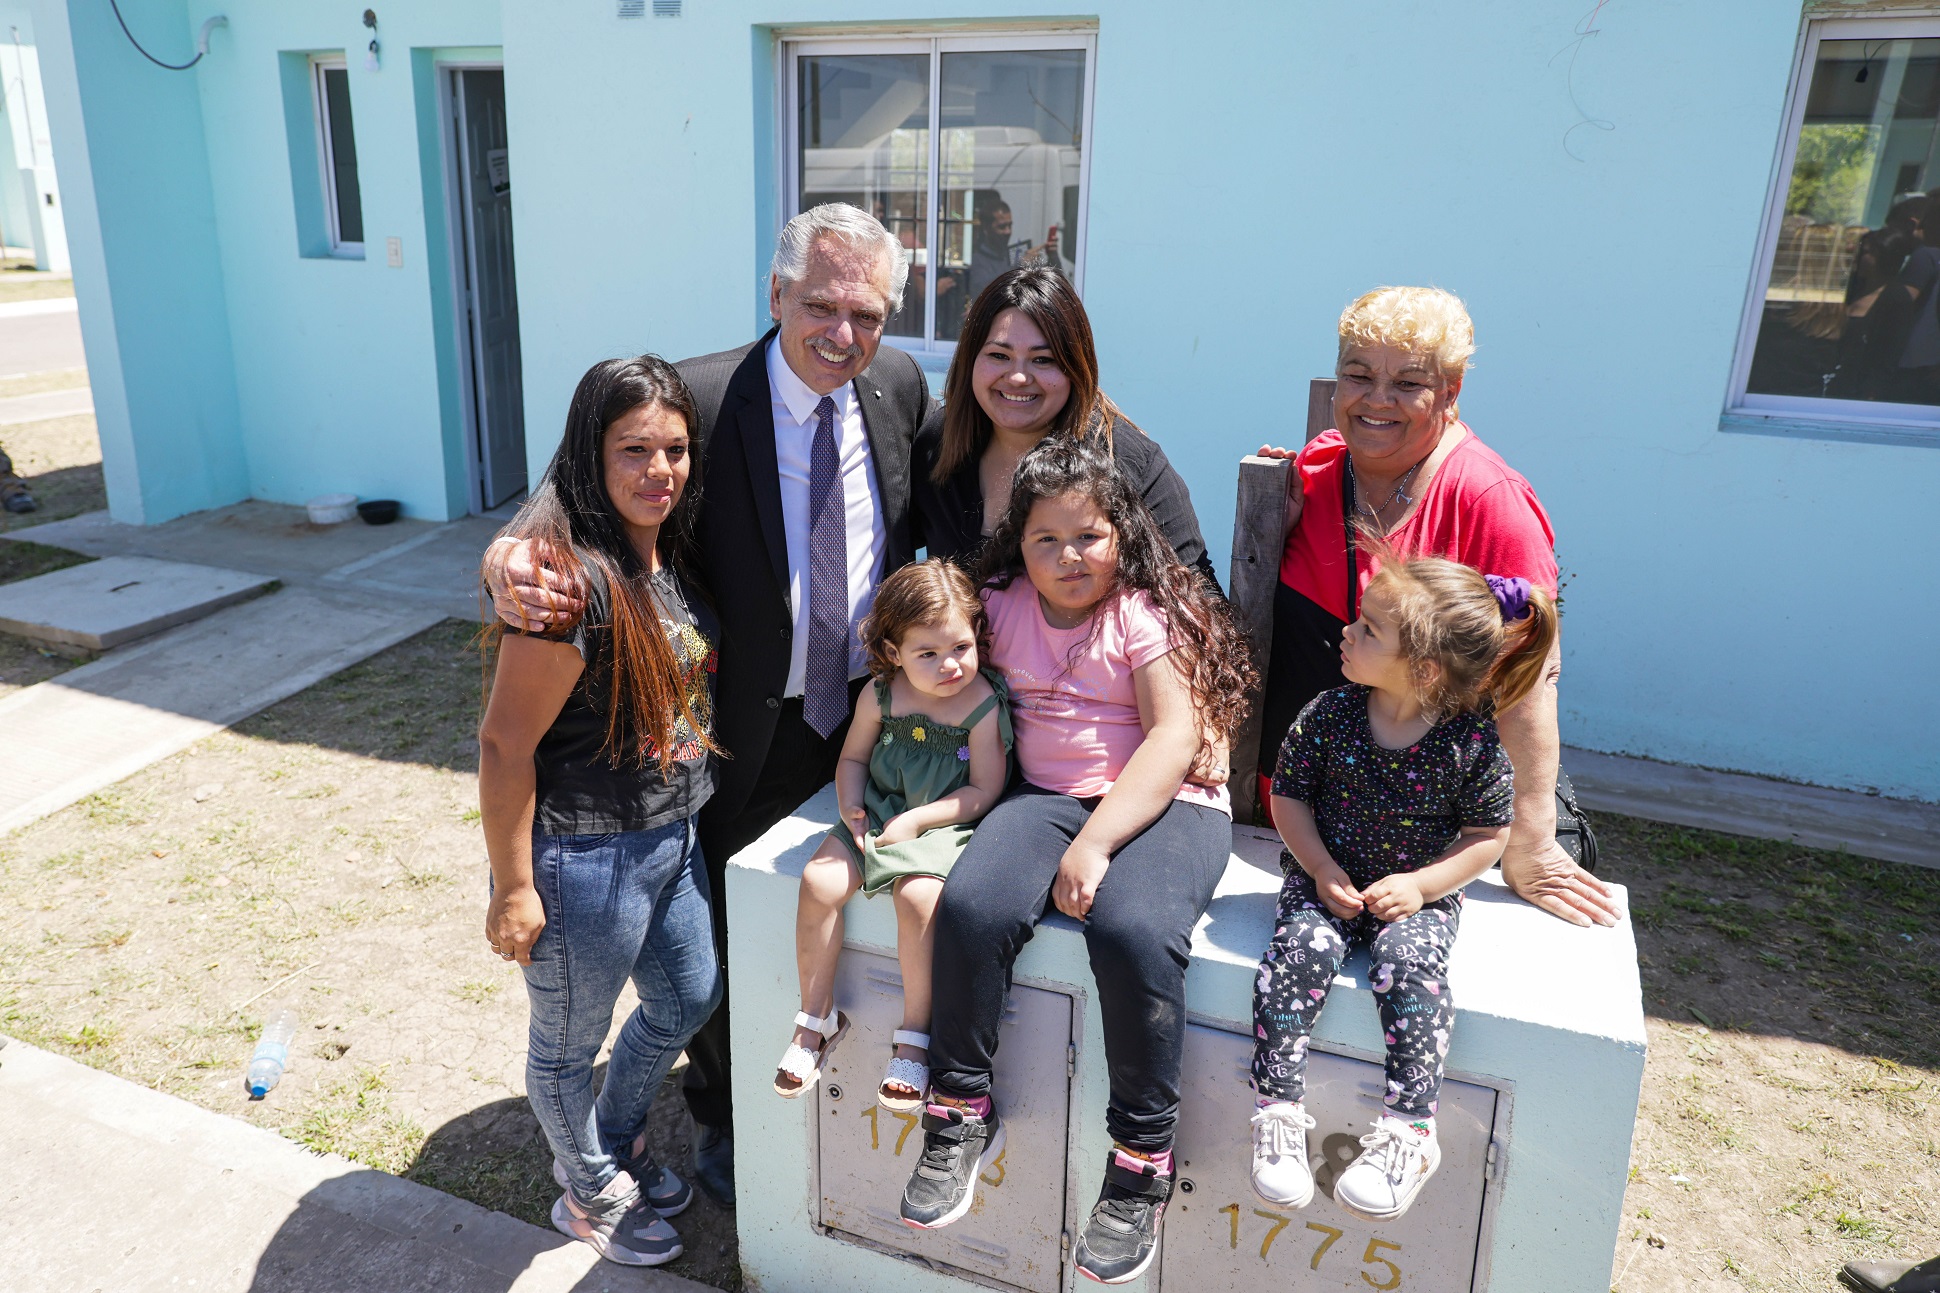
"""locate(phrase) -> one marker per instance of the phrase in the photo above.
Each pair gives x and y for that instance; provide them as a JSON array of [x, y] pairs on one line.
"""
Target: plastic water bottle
[[272, 1053]]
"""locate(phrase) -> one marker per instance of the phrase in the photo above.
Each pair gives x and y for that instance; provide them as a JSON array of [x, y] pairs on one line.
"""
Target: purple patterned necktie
[[825, 684]]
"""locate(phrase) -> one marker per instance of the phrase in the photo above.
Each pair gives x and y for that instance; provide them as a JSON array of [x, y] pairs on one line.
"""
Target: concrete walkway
[[1872, 826], [350, 591], [90, 727], [42, 405], [113, 1188]]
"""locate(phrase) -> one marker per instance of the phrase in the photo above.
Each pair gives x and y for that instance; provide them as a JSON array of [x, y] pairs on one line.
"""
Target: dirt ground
[[60, 458], [327, 854], [1788, 1121]]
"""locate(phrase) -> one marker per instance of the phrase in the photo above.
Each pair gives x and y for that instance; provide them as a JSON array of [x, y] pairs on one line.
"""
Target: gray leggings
[[1139, 935]]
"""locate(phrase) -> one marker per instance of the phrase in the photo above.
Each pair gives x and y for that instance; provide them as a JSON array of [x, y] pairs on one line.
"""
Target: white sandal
[[802, 1064], [913, 1074]]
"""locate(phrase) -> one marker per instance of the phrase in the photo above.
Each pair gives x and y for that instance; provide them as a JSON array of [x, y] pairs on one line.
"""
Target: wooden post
[[1262, 515], [1259, 537], [1320, 406]]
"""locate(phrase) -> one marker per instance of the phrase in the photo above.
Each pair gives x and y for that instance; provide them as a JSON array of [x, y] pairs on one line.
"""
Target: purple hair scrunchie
[[1511, 594]]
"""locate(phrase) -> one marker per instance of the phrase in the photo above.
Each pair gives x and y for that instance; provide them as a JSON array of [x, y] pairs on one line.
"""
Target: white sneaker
[[1281, 1174], [1395, 1162]]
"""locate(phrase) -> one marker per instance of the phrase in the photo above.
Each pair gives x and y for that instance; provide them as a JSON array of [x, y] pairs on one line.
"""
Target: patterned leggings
[[1409, 967]]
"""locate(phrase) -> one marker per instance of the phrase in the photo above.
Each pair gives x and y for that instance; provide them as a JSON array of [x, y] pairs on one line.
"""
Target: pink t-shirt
[[1076, 715]]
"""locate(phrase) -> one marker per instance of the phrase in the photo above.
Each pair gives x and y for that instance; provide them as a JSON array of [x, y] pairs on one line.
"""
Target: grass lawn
[[22, 288], [327, 853]]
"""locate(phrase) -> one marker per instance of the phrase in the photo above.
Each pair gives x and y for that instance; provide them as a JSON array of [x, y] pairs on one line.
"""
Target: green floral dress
[[917, 761]]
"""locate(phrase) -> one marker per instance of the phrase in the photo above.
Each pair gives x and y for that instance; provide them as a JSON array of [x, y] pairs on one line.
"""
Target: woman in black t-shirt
[[595, 755]]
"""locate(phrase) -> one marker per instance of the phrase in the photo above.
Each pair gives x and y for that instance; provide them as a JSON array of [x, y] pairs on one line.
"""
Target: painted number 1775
[[1329, 1236]]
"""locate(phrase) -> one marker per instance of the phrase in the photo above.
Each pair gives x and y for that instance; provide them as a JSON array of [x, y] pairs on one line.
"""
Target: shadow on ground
[[1759, 936], [61, 493], [493, 1156]]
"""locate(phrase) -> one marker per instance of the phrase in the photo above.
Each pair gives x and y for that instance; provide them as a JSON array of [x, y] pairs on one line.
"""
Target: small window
[[970, 149], [1844, 324], [337, 148]]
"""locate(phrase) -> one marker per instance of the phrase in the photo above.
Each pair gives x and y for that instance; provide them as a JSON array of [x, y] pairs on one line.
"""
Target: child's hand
[[1338, 892], [858, 823], [895, 831], [1394, 897], [1079, 872]]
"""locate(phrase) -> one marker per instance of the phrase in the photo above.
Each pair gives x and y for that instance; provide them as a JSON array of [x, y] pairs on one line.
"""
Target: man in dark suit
[[805, 435]]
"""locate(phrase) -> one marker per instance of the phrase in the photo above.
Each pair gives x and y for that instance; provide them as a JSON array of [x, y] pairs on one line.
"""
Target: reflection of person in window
[[1877, 318], [1918, 378], [990, 247]]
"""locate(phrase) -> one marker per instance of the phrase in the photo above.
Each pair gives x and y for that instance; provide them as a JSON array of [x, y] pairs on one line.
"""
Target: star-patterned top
[[1380, 811]]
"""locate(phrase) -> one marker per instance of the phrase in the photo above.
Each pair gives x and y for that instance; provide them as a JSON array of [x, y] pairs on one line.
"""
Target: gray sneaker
[[619, 1224], [668, 1194], [957, 1147]]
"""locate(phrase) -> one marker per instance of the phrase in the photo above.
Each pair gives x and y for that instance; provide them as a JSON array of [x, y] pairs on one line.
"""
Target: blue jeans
[[627, 905]]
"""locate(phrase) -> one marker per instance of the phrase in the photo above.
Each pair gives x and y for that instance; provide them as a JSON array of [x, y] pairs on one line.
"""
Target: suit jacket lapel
[[751, 407], [890, 457]]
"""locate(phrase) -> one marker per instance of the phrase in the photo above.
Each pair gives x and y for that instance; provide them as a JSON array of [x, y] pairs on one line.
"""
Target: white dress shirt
[[795, 423]]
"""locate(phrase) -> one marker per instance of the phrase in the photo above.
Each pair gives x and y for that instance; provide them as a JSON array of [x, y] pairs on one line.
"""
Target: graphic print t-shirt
[[1382, 811], [581, 792]]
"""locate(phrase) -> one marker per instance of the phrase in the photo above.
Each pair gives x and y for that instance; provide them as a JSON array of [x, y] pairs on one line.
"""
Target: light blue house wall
[[142, 232], [1738, 601]]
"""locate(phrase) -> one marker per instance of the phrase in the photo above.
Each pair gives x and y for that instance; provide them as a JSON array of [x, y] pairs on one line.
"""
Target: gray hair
[[849, 224]]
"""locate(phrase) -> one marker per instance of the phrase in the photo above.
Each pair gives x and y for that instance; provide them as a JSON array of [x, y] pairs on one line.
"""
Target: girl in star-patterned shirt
[[1391, 794]]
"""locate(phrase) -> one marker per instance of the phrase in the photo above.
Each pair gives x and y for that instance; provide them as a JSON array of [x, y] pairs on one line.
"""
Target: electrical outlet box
[[394, 252], [1220, 1237], [863, 1153]]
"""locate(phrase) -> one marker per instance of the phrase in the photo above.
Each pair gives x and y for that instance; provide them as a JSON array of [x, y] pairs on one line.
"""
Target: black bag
[[1573, 830]]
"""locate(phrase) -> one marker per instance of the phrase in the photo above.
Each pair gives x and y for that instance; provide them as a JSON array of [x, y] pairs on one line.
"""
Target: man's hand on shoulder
[[525, 593]]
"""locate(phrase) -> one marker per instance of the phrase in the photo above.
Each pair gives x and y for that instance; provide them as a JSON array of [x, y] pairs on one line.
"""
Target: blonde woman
[[1401, 467]]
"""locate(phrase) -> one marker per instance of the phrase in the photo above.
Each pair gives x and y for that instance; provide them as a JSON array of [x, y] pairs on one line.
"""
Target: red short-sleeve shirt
[[1478, 510]]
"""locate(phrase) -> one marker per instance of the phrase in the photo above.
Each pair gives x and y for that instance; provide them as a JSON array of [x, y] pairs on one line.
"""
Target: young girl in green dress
[[927, 755]]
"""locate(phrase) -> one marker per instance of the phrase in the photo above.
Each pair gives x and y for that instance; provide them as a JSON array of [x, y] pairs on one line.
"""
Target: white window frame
[[326, 157], [1799, 412], [793, 48]]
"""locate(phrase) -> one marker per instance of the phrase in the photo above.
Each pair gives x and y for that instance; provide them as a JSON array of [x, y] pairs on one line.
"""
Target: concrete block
[[119, 599], [1548, 1053]]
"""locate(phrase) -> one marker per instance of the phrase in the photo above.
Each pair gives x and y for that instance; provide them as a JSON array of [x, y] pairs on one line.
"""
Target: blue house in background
[[30, 195], [333, 256]]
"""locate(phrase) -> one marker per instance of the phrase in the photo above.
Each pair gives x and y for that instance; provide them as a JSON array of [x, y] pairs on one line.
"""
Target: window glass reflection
[[1851, 309], [865, 140], [1010, 141]]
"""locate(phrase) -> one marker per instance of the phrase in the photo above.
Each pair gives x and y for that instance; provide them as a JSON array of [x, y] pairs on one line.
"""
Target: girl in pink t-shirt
[[1121, 664]]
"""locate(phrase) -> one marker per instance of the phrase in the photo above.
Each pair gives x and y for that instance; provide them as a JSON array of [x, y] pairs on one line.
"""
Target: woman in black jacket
[[1026, 368]]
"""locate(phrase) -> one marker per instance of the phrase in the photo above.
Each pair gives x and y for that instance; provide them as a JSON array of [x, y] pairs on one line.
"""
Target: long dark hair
[[1048, 301], [572, 523], [1211, 651]]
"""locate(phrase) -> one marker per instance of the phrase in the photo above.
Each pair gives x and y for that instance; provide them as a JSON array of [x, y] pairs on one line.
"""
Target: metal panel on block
[[1220, 1237], [864, 1153]]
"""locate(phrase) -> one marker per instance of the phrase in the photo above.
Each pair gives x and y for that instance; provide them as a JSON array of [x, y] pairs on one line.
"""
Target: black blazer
[[743, 550]]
